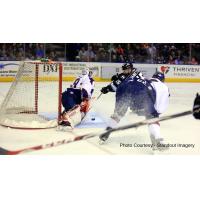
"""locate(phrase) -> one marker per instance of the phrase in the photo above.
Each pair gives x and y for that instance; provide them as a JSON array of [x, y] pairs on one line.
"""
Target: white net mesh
[[32, 101]]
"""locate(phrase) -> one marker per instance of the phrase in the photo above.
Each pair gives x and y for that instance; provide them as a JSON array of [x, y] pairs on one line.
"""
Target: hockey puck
[[92, 118]]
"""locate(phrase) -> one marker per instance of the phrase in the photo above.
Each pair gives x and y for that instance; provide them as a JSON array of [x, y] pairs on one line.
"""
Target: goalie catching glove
[[196, 107]]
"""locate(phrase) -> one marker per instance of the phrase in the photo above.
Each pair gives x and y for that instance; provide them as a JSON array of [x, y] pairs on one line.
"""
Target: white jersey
[[162, 95], [84, 82]]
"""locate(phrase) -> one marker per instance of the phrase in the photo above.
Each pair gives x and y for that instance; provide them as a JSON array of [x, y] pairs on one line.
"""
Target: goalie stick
[[91, 106], [4, 151]]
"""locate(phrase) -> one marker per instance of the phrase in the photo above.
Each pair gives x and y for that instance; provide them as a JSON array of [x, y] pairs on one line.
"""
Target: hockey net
[[34, 98]]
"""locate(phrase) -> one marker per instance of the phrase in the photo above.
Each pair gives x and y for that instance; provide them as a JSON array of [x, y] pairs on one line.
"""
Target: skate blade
[[102, 142], [160, 151], [64, 129]]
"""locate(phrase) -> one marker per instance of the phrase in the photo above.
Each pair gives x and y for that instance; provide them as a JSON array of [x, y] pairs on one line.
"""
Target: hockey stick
[[45, 146], [149, 121], [99, 96], [95, 102], [91, 107], [91, 135]]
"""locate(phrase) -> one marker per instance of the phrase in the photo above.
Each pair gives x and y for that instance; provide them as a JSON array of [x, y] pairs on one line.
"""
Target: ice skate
[[64, 126], [158, 144], [104, 137]]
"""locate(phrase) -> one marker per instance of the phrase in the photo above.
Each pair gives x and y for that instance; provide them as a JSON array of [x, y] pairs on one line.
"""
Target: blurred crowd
[[160, 53]]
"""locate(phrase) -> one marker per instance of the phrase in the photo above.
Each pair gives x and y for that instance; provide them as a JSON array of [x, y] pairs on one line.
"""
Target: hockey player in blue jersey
[[76, 99], [145, 97]]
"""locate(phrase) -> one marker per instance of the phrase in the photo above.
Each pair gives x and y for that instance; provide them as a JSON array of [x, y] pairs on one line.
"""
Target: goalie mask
[[85, 71]]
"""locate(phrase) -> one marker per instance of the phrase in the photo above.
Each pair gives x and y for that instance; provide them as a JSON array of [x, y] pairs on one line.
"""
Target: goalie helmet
[[90, 73], [85, 71], [160, 76]]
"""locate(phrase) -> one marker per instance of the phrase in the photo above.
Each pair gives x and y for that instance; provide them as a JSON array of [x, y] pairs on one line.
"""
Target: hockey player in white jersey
[[76, 99], [161, 104], [145, 97]]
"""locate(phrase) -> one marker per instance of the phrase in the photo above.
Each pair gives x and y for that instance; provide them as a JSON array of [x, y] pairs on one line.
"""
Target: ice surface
[[184, 130]]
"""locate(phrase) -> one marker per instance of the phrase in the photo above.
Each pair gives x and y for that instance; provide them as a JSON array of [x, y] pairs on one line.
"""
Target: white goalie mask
[[85, 71]]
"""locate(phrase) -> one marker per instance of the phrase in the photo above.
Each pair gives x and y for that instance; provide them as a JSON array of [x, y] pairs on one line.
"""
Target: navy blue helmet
[[160, 76], [127, 66]]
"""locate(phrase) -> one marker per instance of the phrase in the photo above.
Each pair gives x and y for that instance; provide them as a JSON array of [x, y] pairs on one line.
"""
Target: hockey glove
[[115, 77], [196, 107], [106, 89]]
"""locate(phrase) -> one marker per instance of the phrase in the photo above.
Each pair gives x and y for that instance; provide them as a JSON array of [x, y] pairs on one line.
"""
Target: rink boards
[[104, 71]]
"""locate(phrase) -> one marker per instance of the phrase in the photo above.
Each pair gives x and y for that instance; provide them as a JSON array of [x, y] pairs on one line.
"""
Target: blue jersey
[[137, 93]]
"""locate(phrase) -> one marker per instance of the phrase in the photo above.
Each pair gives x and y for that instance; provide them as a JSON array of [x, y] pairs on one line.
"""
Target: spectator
[[119, 50], [81, 54], [39, 53], [77, 59], [112, 52], [19, 56], [112, 49], [89, 55], [113, 58], [101, 55], [178, 61], [151, 53], [53, 56], [105, 52], [193, 61], [121, 59], [131, 58], [143, 53], [30, 51], [171, 60]]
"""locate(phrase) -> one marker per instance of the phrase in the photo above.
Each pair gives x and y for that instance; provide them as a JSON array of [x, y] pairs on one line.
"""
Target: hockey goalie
[[76, 100]]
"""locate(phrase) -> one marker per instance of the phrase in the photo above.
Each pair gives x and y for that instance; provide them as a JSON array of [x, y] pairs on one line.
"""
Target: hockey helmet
[[127, 66], [159, 75]]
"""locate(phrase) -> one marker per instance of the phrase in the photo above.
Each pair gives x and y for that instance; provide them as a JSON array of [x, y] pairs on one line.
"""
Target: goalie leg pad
[[85, 106], [73, 116]]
